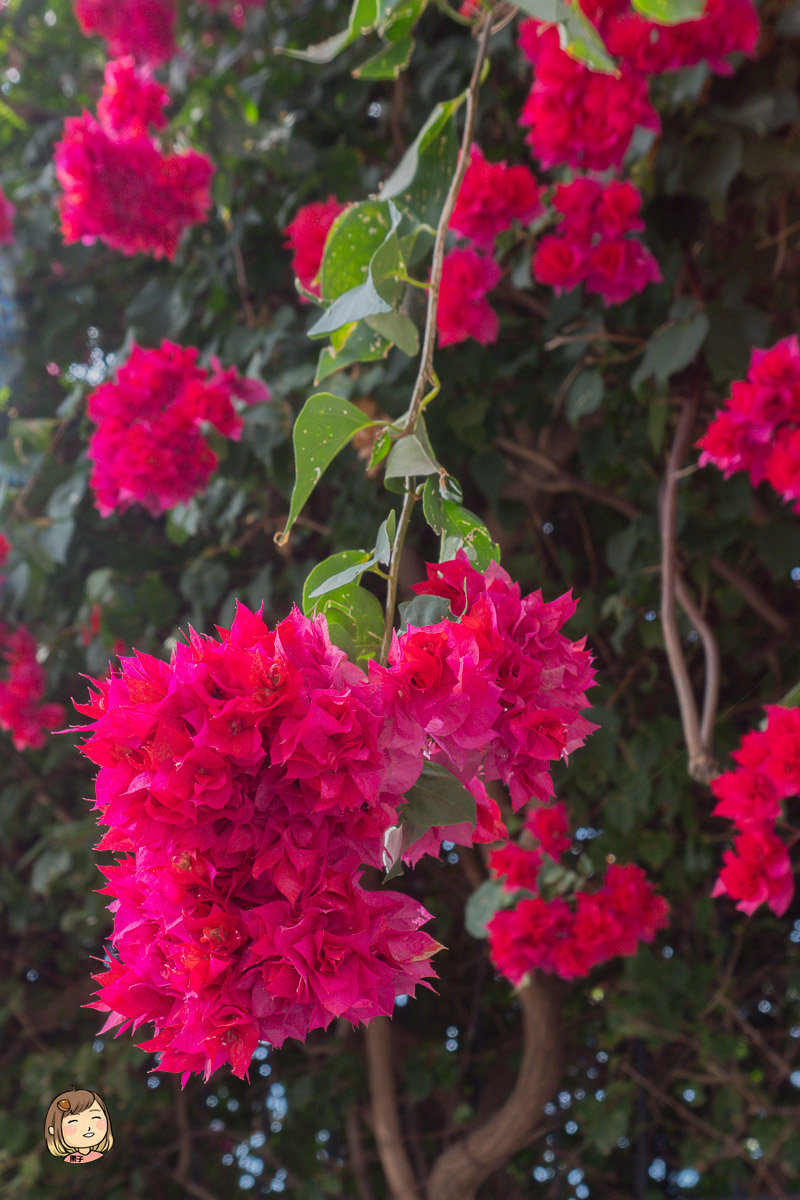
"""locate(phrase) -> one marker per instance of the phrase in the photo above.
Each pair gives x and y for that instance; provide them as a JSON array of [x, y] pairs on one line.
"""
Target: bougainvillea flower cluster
[[22, 686], [586, 119], [463, 311], [759, 429], [758, 871], [493, 196], [149, 447], [726, 27], [131, 100], [554, 935], [520, 684], [305, 237], [576, 116], [592, 245], [118, 185], [143, 28], [245, 783], [6, 220], [569, 940]]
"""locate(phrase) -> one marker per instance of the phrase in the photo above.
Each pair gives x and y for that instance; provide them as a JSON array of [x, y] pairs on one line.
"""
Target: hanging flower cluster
[[118, 185], [592, 246], [566, 940], [726, 27], [492, 197], [553, 936], [149, 448], [586, 119], [6, 220], [131, 101], [142, 28], [305, 237], [759, 429], [246, 782], [758, 871], [22, 684], [463, 311], [577, 116], [520, 682]]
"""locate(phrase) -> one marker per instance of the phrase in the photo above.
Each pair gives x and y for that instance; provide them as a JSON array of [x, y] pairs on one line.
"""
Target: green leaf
[[482, 906], [328, 569], [385, 273], [329, 578], [432, 506], [8, 115], [352, 240], [438, 798], [321, 52], [424, 610], [584, 395], [357, 342], [359, 302], [360, 615], [791, 699], [671, 349], [464, 531], [554, 880], [395, 843], [670, 12], [421, 180], [408, 457], [581, 41], [325, 424], [364, 16], [548, 11], [381, 448], [48, 867], [389, 62], [354, 615], [383, 542], [396, 328]]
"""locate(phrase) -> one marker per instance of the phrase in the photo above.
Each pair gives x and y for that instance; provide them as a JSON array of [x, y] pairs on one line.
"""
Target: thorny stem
[[426, 373], [701, 765]]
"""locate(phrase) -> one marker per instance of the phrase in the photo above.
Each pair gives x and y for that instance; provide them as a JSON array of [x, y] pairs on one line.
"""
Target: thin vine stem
[[426, 373], [701, 765], [409, 500], [429, 340]]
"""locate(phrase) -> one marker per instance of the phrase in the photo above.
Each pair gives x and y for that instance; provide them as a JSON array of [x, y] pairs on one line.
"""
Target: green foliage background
[[684, 1054]]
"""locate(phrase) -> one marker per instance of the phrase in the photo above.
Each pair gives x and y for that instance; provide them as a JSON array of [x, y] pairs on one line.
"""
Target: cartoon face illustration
[[77, 1126]]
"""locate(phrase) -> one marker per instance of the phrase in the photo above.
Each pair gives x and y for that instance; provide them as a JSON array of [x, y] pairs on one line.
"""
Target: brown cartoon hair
[[67, 1104]]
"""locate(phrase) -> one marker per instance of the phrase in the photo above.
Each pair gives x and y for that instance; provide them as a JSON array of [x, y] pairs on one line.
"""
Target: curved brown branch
[[386, 1122], [711, 651], [563, 481], [358, 1162], [701, 766], [461, 1169], [752, 596]]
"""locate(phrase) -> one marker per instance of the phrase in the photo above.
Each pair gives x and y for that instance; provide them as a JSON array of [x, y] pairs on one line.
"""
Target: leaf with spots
[[325, 425]]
